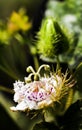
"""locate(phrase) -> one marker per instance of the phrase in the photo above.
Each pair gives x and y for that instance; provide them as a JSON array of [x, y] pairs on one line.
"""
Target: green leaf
[[45, 126], [9, 119], [6, 122], [78, 76], [72, 119]]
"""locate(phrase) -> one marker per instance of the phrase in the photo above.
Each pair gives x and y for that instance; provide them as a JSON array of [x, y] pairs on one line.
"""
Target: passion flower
[[41, 93]]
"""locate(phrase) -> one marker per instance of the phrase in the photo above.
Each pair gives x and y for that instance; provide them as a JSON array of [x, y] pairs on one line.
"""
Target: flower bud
[[52, 40]]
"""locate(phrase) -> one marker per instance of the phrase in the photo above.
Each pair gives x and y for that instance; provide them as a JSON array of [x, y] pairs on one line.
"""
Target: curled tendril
[[35, 75]]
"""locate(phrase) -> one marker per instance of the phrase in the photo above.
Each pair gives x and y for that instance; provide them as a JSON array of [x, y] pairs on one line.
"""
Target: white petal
[[22, 106], [17, 85], [13, 108], [16, 97], [31, 105], [44, 103]]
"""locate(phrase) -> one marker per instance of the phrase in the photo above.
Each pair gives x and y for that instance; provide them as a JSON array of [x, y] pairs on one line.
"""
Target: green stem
[[2, 88], [58, 63], [43, 117], [69, 99], [36, 63]]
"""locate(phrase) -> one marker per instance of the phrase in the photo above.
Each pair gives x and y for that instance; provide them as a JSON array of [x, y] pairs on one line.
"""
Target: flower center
[[39, 92]]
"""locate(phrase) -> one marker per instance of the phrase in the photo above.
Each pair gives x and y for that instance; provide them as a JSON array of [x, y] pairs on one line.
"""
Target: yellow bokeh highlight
[[18, 21]]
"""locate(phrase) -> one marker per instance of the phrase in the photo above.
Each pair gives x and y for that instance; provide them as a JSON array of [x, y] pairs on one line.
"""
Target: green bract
[[51, 39]]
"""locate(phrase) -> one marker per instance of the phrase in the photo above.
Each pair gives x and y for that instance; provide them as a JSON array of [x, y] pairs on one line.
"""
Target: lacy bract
[[36, 95]]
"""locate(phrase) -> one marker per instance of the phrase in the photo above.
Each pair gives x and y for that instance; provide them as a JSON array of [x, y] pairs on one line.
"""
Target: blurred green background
[[16, 55], [14, 63]]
